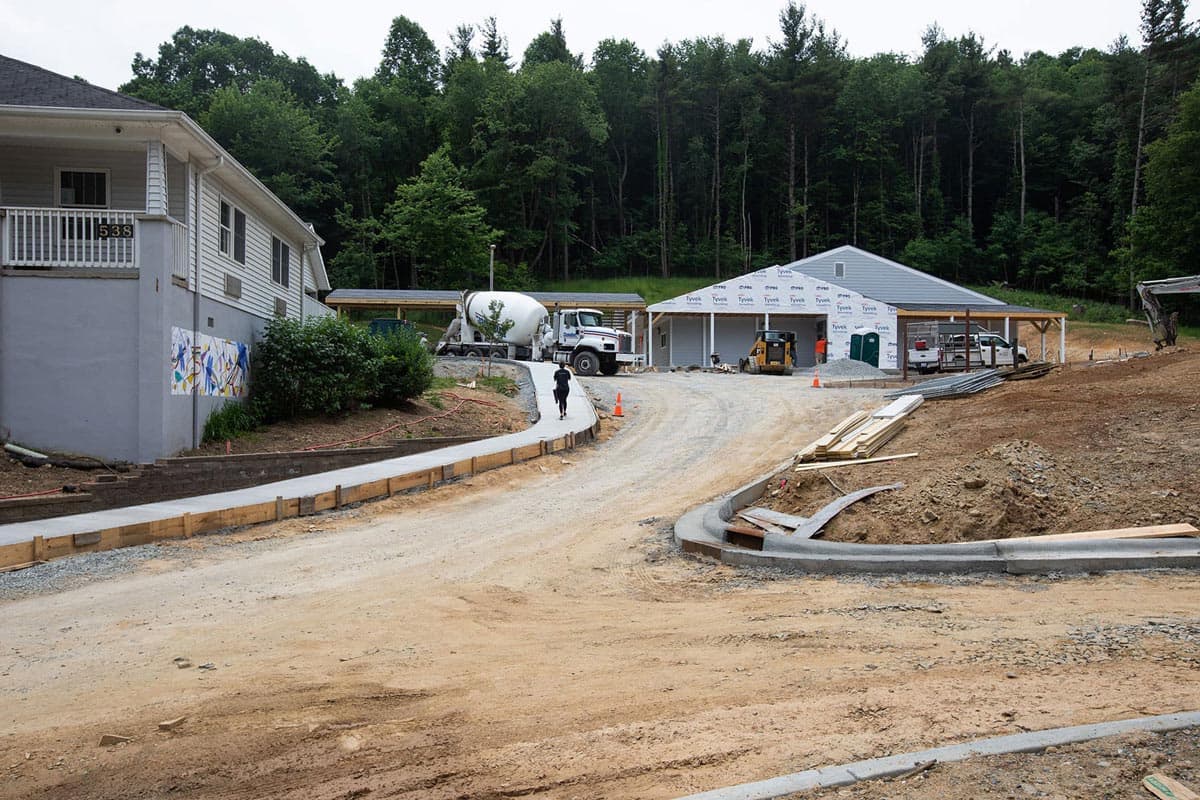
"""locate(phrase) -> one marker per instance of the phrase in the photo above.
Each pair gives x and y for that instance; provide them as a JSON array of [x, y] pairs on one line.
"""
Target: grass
[[652, 290]]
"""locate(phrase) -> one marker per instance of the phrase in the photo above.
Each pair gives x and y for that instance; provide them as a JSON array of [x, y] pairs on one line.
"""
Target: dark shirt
[[562, 379]]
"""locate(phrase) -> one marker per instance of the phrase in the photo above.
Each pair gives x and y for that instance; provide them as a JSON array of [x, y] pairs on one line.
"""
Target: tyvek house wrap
[[780, 290]]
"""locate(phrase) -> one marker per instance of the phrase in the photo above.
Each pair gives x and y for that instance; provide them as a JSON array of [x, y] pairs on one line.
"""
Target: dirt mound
[[1087, 448]]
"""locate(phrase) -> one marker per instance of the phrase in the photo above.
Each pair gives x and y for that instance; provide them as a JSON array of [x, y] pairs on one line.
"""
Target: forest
[[1076, 173]]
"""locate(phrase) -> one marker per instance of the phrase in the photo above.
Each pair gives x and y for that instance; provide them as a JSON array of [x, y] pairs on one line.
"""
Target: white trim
[[235, 209], [58, 171]]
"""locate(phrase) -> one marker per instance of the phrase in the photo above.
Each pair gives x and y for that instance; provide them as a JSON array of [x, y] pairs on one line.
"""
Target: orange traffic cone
[[617, 412], [816, 378]]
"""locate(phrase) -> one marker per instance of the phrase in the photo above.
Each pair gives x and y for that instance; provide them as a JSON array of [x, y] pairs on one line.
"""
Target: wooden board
[[744, 536], [822, 517], [766, 526], [904, 404], [1148, 532], [773, 517], [853, 462], [1168, 788]]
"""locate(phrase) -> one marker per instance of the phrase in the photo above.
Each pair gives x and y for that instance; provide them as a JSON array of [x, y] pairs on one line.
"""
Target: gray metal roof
[[886, 281], [23, 84], [992, 309], [448, 297]]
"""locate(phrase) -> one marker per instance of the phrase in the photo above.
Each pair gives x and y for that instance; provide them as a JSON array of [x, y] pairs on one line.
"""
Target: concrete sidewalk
[[80, 532]]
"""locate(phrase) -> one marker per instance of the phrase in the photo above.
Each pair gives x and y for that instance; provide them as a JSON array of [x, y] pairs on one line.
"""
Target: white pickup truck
[[934, 353]]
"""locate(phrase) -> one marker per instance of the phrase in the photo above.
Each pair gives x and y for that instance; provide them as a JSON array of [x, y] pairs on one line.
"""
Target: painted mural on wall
[[780, 290], [218, 367]]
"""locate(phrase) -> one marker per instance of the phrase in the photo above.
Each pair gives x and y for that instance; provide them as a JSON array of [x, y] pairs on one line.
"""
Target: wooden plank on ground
[[1168, 788], [766, 526], [819, 520], [1146, 532], [853, 462], [773, 517], [904, 404]]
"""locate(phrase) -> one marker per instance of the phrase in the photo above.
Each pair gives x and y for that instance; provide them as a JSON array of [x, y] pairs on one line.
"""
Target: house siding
[[27, 174], [258, 290]]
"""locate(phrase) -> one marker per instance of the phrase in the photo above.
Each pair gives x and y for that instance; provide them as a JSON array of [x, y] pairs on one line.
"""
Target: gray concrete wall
[[68, 364]]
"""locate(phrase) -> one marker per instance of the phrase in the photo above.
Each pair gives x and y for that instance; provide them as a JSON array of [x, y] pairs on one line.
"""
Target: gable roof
[[23, 84], [887, 281]]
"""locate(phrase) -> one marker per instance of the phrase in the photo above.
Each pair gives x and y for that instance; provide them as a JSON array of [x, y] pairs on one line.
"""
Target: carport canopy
[[399, 302]]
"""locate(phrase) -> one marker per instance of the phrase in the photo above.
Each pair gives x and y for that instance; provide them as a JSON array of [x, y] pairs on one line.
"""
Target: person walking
[[822, 349], [562, 388]]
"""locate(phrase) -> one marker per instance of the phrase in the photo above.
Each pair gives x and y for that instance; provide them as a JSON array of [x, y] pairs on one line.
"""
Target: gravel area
[[848, 368]]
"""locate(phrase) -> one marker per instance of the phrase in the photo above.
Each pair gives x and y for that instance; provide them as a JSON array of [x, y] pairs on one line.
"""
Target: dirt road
[[533, 633]]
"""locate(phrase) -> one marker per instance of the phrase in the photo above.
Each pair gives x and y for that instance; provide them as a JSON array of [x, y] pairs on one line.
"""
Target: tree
[[1167, 230], [493, 327], [495, 46], [297, 167], [438, 225], [409, 58], [550, 46]]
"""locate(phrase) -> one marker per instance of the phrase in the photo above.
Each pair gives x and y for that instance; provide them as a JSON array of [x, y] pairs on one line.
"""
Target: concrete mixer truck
[[574, 336]]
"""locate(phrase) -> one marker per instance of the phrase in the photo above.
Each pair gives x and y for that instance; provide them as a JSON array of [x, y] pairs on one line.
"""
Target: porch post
[[156, 180], [1062, 340]]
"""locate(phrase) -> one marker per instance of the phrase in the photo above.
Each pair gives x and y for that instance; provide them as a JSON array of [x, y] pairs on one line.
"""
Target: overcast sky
[[97, 40]]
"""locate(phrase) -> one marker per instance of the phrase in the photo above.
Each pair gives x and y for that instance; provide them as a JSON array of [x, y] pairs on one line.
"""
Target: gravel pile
[[845, 368]]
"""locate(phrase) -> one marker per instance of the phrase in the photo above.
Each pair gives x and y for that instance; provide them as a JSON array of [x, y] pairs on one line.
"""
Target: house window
[[82, 188], [281, 267], [232, 225], [839, 269]]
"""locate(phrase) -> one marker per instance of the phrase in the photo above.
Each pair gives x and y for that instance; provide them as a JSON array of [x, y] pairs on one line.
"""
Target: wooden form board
[[773, 517], [1147, 532], [187, 525]]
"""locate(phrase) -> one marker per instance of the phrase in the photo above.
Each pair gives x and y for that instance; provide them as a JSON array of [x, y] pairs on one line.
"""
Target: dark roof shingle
[[24, 84]]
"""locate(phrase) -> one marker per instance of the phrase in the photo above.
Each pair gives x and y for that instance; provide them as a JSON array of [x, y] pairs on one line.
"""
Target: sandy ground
[[533, 632]]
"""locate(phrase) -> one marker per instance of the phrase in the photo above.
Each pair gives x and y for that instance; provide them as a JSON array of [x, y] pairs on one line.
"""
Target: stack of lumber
[[861, 434], [1030, 369]]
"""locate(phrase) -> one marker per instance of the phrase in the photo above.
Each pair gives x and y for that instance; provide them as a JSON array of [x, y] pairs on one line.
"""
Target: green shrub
[[230, 421], [318, 367], [404, 368]]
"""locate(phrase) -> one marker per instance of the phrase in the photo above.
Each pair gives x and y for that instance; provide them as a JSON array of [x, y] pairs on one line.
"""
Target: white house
[[836, 294], [138, 263]]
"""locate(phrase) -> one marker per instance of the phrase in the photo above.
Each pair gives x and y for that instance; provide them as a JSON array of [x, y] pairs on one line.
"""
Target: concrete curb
[[891, 766], [44, 539], [702, 530]]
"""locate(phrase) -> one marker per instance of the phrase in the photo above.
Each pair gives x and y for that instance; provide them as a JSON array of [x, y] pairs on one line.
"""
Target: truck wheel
[[474, 352], [1023, 359], [609, 368], [499, 354], [586, 363]]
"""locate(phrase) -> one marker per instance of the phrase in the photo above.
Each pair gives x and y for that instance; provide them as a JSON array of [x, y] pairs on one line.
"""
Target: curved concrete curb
[[44, 539], [891, 766], [702, 530]]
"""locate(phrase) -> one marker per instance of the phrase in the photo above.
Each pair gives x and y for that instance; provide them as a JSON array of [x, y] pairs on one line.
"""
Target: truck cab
[[986, 349]]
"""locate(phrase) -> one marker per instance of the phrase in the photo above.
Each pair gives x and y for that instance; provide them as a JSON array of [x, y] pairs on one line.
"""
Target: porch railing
[[180, 261], [68, 238]]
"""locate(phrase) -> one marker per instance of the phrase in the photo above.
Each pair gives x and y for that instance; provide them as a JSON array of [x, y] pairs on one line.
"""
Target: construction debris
[[1168, 788], [1146, 532], [819, 520], [171, 724], [109, 739]]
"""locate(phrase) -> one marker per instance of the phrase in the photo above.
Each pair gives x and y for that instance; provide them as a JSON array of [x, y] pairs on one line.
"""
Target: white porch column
[[767, 323], [1062, 340], [1007, 337], [156, 179], [671, 342], [712, 333]]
